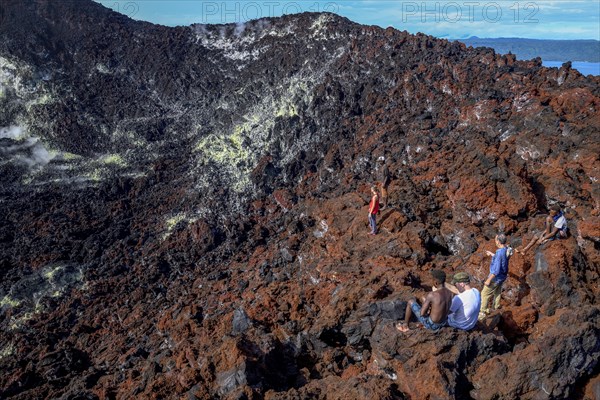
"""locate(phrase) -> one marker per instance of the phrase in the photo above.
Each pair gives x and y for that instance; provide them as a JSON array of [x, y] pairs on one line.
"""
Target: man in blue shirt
[[497, 276]]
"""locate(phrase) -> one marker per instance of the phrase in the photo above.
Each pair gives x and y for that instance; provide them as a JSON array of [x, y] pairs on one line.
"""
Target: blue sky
[[541, 19]]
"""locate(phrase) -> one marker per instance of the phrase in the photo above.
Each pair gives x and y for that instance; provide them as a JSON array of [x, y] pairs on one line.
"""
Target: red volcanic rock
[[517, 322], [590, 229], [564, 348], [284, 199], [592, 389], [202, 236], [392, 221], [555, 280], [432, 365], [576, 101]]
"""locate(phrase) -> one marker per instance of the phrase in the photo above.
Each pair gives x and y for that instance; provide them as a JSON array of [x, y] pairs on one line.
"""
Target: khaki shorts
[[383, 189]]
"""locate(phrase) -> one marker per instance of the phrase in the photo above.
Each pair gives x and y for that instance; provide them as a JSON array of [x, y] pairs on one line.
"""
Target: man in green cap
[[464, 309]]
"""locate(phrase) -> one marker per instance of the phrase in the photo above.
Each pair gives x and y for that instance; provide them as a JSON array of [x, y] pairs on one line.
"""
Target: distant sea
[[586, 68]]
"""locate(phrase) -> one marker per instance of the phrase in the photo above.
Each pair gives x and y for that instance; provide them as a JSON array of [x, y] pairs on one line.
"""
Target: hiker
[[465, 306], [384, 182], [373, 210], [556, 228], [436, 306], [497, 276]]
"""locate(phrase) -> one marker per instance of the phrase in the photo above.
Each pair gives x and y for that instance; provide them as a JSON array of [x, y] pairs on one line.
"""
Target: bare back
[[437, 305]]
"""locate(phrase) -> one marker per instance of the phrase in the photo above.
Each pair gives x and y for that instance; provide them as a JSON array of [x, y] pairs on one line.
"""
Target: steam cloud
[[239, 29], [11, 132], [38, 155], [29, 152]]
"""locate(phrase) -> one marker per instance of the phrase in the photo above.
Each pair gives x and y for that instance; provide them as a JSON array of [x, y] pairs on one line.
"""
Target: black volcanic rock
[[183, 210]]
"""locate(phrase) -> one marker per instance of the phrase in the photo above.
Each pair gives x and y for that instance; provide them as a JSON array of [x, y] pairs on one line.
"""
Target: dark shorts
[[426, 321], [558, 236]]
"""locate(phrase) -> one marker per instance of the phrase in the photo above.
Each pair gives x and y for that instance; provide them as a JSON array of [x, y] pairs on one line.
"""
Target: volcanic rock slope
[[184, 210]]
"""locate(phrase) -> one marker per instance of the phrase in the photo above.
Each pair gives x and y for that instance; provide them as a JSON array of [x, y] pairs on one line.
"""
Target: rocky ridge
[[183, 210]]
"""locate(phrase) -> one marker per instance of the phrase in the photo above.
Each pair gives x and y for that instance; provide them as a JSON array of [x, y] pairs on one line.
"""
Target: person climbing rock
[[384, 181], [464, 309], [373, 210], [436, 306], [555, 228], [498, 274]]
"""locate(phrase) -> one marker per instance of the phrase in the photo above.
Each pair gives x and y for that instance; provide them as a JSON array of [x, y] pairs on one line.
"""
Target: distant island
[[525, 49]]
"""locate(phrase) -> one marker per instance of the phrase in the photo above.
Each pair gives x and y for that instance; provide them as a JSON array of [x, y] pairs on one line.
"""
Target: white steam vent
[[30, 151], [12, 132]]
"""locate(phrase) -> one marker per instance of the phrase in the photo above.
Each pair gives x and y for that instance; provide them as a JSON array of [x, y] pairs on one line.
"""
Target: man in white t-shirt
[[556, 228], [465, 306]]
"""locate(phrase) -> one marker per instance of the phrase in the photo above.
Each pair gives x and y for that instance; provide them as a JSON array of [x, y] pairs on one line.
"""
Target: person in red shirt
[[373, 210]]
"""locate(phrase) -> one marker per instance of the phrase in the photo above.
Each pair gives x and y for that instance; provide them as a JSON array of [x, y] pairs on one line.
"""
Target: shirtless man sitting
[[436, 306]]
